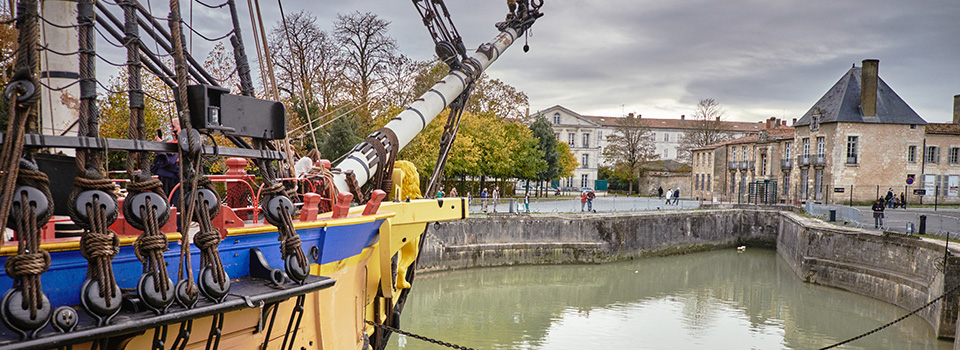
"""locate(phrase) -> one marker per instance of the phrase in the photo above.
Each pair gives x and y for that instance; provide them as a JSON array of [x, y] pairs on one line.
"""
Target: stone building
[[857, 142], [586, 136], [751, 169], [859, 139]]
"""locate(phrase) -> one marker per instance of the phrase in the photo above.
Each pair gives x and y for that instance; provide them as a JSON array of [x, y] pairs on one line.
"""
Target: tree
[[707, 128], [368, 52], [546, 143], [341, 138], [629, 147], [399, 78], [493, 95], [115, 112], [222, 66], [567, 161], [308, 60], [8, 53]]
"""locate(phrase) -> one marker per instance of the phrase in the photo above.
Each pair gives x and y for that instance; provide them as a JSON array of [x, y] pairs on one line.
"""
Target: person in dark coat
[[903, 201], [676, 196], [660, 192], [167, 168], [878, 213], [889, 198]]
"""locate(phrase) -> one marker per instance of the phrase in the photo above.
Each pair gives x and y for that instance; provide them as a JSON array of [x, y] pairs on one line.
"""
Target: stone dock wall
[[904, 271]]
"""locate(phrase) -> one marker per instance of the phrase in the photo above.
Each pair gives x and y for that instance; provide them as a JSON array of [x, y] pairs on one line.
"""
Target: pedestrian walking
[[669, 195], [526, 202], [583, 200], [903, 201], [496, 196], [676, 196], [878, 213], [660, 192], [590, 197], [889, 198], [483, 200]]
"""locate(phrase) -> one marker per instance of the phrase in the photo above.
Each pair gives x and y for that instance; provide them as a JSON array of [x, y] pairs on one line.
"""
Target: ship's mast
[[363, 162], [59, 69]]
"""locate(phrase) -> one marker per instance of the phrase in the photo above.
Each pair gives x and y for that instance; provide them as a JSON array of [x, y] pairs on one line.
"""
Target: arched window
[[556, 118]]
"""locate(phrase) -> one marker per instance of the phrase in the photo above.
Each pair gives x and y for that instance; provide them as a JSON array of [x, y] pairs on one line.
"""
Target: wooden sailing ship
[[280, 272]]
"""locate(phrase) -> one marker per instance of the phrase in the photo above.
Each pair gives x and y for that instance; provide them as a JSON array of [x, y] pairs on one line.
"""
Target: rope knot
[[96, 245], [28, 264], [207, 239]]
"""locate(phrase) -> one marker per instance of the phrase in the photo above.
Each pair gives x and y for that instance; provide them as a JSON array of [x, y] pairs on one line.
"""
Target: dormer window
[[556, 118], [815, 117]]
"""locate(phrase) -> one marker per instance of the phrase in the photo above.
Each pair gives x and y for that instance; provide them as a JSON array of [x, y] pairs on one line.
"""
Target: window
[[821, 145], [653, 136], [818, 184], [931, 154], [913, 126], [696, 182], [556, 118], [599, 136], [666, 153], [763, 164], [786, 150], [912, 154], [570, 138], [585, 160], [744, 152], [852, 149], [786, 183], [570, 182], [586, 140], [954, 155], [944, 185], [584, 179], [666, 137], [806, 147], [708, 182]]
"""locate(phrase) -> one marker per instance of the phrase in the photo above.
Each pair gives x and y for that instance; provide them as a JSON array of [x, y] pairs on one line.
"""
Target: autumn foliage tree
[[629, 148]]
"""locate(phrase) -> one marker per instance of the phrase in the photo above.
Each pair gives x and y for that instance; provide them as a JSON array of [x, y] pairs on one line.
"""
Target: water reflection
[[712, 300]]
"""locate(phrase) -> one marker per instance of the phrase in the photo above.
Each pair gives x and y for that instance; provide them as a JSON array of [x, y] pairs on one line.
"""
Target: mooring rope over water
[[417, 336], [911, 313]]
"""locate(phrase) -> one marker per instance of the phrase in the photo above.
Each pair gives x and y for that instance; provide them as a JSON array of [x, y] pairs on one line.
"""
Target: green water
[[713, 300]]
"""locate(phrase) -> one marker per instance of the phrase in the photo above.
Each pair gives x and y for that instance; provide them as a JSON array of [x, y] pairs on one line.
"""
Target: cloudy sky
[[658, 58]]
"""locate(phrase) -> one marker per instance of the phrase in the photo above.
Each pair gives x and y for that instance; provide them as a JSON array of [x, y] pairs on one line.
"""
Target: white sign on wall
[[954, 185], [930, 184]]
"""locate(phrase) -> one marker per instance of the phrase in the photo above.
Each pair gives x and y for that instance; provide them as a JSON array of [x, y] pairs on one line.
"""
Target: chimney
[[682, 117], [768, 123], [783, 123], [956, 109], [794, 121], [868, 87], [718, 118]]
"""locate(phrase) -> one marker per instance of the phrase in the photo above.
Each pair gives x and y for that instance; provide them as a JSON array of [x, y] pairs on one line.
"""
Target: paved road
[[600, 204], [937, 223]]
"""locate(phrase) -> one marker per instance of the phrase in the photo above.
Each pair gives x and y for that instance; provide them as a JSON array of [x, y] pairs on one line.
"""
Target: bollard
[[833, 215], [511, 205], [923, 225]]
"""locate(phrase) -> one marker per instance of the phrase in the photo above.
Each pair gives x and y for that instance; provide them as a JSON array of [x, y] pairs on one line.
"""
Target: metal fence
[[843, 213]]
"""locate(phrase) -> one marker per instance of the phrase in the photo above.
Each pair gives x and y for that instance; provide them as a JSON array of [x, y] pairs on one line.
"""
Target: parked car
[[586, 189]]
